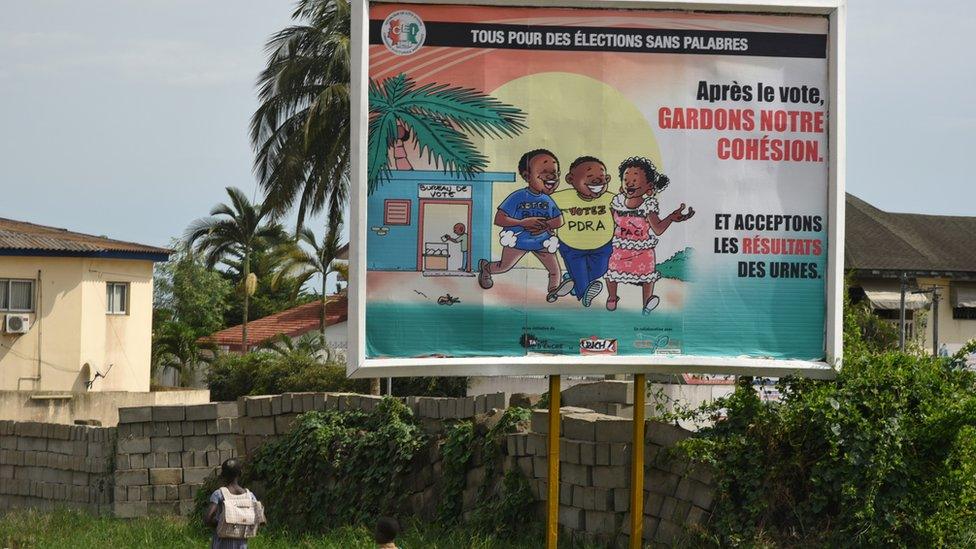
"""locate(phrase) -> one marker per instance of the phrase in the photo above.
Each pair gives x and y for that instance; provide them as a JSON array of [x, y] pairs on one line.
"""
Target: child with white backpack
[[234, 512]]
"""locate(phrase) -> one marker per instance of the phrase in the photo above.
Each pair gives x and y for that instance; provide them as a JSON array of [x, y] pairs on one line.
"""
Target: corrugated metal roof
[[879, 240], [21, 235]]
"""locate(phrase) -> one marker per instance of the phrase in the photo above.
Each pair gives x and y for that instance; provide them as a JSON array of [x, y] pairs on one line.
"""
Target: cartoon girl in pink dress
[[635, 214]]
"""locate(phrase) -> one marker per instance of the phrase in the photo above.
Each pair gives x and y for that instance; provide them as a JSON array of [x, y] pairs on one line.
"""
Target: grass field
[[59, 529]]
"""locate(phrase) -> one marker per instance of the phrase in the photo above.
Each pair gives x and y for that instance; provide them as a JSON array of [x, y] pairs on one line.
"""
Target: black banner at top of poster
[[616, 39]]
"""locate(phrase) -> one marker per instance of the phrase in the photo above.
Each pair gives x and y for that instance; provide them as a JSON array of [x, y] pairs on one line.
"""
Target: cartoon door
[[435, 250]]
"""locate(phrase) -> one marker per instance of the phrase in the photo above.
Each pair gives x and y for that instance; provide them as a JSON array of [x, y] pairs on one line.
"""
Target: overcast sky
[[128, 118]]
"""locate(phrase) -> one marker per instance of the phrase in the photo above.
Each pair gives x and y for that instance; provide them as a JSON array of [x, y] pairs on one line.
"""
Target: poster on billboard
[[594, 190]]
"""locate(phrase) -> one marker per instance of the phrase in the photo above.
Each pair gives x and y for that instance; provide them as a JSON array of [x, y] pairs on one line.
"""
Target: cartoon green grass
[[439, 119]]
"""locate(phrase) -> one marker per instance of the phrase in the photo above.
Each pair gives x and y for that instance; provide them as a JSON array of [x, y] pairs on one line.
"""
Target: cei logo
[[598, 346], [403, 32]]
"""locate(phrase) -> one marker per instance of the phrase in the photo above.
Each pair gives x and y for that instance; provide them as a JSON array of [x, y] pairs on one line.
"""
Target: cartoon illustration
[[439, 119], [584, 238], [528, 217], [461, 239], [635, 214]]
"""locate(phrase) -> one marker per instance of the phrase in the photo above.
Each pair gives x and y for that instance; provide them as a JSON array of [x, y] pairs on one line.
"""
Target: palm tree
[[176, 345], [310, 344], [439, 119], [301, 129], [234, 230], [303, 264]]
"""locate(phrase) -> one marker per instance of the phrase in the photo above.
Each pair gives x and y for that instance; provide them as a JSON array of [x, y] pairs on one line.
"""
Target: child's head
[[387, 529], [540, 170], [230, 470], [459, 229], [588, 175], [639, 177]]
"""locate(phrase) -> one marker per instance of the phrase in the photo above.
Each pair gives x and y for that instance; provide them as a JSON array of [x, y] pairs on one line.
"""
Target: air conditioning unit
[[16, 324]]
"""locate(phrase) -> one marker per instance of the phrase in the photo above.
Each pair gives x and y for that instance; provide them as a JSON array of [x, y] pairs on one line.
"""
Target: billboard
[[594, 190]]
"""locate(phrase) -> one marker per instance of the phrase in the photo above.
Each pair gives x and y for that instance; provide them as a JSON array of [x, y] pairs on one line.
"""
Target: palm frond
[[471, 110], [445, 147]]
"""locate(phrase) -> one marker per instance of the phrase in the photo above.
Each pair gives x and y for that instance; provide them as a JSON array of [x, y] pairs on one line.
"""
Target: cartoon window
[[396, 212]]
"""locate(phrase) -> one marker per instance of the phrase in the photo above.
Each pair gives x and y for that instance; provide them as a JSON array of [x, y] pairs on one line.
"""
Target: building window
[[396, 212], [117, 298], [964, 313], [16, 295]]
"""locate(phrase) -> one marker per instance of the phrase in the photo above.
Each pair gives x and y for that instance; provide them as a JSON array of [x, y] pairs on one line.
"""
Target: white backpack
[[241, 517]]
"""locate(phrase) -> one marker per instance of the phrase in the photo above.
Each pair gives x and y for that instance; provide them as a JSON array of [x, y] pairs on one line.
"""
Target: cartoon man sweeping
[[584, 238], [528, 218]]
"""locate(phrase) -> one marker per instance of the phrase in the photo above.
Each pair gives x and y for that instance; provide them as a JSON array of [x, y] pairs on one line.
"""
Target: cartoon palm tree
[[439, 118]]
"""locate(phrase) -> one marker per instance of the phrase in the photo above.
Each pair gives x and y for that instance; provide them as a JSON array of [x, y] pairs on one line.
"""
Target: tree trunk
[[247, 297], [374, 386], [400, 161], [324, 322]]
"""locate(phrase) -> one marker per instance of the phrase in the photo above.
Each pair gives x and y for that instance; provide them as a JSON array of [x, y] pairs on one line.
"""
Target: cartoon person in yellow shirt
[[584, 238]]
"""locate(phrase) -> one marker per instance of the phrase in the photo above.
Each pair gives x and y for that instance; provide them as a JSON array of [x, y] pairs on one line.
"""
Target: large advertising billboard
[[594, 188]]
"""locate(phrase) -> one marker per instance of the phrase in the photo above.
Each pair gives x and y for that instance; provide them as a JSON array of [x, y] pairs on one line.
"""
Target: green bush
[[264, 373], [882, 456], [338, 468]]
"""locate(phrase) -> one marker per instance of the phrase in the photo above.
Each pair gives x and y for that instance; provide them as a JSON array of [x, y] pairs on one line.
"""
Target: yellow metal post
[[552, 495], [637, 465]]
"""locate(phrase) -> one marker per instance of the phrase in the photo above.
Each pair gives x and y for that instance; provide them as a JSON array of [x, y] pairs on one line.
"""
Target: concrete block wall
[[46, 465], [165, 453], [265, 417], [594, 472]]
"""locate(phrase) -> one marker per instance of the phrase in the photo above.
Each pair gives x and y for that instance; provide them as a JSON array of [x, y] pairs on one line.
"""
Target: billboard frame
[[358, 366]]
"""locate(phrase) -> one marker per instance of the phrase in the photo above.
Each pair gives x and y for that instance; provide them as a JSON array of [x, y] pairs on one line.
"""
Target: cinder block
[[167, 444], [621, 499], [580, 426], [667, 532], [621, 392], [199, 443], [620, 454], [496, 400], [201, 412], [614, 429], [199, 427], [284, 422], [227, 426], [135, 445], [660, 482], [137, 414], [134, 477], [601, 522], [664, 434], [606, 476], [258, 426], [168, 413], [572, 518], [168, 475], [575, 474], [225, 443], [196, 475], [227, 409], [598, 499], [130, 509]]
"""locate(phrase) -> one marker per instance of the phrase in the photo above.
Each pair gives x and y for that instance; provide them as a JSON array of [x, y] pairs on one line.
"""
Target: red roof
[[293, 323]]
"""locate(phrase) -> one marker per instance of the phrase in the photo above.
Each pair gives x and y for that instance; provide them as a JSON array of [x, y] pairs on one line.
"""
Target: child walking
[[234, 513], [637, 226]]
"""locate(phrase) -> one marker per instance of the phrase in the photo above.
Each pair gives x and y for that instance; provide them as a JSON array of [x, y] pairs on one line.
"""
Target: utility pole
[[901, 313]]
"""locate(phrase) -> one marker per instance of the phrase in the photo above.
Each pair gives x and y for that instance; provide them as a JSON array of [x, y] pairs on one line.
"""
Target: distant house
[[76, 310], [931, 251], [294, 323]]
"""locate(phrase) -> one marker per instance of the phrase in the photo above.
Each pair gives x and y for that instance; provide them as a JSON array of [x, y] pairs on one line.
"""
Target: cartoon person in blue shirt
[[528, 218]]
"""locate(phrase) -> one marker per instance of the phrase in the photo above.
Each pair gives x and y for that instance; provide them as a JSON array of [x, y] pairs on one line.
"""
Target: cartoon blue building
[[412, 217]]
